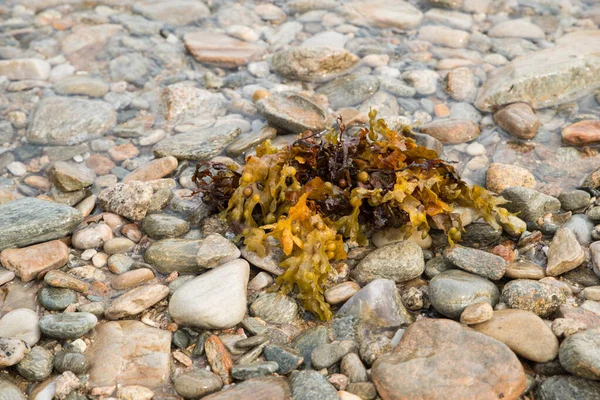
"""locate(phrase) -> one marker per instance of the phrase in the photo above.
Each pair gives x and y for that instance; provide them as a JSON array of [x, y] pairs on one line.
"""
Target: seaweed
[[333, 189]]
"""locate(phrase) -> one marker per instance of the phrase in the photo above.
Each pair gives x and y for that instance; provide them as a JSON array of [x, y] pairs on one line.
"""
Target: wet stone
[[312, 64], [36, 365], [530, 295], [29, 262], [476, 313], [136, 300], [268, 388], [400, 262], [81, 85], [476, 261], [12, 351], [255, 370], [22, 324], [199, 145], [564, 253], [308, 340], [292, 113], [451, 131], [72, 361], [221, 50], [523, 269], [501, 176], [287, 358], [161, 226], [197, 383], [450, 292], [326, 355], [310, 385], [349, 90], [70, 177], [529, 203], [353, 368], [29, 220], [567, 387], [579, 354], [69, 121], [70, 325], [274, 308], [247, 141], [55, 299], [518, 119]]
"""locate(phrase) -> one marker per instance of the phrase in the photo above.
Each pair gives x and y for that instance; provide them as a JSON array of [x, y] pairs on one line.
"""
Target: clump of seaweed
[[332, 187]]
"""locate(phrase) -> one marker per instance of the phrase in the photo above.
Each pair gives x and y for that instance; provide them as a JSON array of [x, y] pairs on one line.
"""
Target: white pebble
[[17, 168], [475, 149], [88, 254]]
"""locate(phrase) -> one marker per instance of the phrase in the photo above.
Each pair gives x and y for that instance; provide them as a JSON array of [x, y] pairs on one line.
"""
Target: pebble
[[198, 145], [521, 28], [579, 354], [120, 263], [130, 279], [518, 119], [68, 325], [36, 365], [29, 220], [476, 261], [310, 385], [287, 358], [118, 245], [341, 292], [530, 295], [326, 355], [72, 361], [349, 90], [476, 313], [129, 200], [268, 388], [501, 176], [566, 387], [69, 177], [424, 81], [274, 308], [28, 262], [529, 203], [11, 391], [56, 299], [221, 50], [292, 113], [451, 131], [201, 301], [400, 262], [261, 281], [197, 383], [524, 269], [161, 226], [134, 392], [25, 68], [525, 333], [254, 370], [92, 236], [574, 200], [582, 133], [564, 253], [429, 344], [12, 351], [136, 301], [218, 358], [450, 292]]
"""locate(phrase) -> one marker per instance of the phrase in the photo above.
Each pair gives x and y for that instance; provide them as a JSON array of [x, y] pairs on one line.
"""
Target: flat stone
[[341, 292], [10, 391], [72, 361], [450, 292], [524, 332], [353, 368], [136, 301], [81, 85], [12, 351], [399, 261], [564, 253], [518, 119], [582, 133], [588, 318], [202, 302], [349, 90], [383, 14], [218, 358], [530, 295], [118, 245], [155, 169], [190, 255], [313, 64], [161, 226], [29, 220], [326, 355], [22, 324], [133, 278], [221, 50], [423, 80], [197, 383], [247, 141], [176, 12], [274, 308], [493, 370], [460, 84], [130, 200], [28, 262], [70, 177], [501, 176], [130, 352], [529, 203], [580, 354], [452, 18], [292, 113], [476, 261], [567, 387], [524, 269], [573, 200], [305, 342], [180, 103], [449, 131], [25, 68], [548, 77], [198, 146], [310, 385], [267, 388], [68, 121], [70, 325]]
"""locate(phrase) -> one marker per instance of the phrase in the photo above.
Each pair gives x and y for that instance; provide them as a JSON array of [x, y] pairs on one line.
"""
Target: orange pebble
[[441, 110], [260, 94]]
